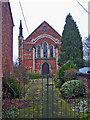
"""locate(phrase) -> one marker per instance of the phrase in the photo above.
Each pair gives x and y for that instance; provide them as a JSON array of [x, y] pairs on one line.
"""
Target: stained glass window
[[45, 49], [51, 51], [38, 52]]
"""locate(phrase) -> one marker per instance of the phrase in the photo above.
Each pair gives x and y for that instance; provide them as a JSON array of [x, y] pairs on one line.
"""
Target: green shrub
[[58, 83], [85, 116], [32, 75], [64, 67], [11, 88], [69, 74], [79, 62], [72, 89], [61, 72], [11, 113]]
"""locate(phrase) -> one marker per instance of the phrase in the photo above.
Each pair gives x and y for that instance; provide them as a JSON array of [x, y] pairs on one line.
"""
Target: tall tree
[[71, 46], [86, 46]]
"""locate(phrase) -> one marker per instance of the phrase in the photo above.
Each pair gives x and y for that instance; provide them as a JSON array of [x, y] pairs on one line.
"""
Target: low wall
[[85, 77]]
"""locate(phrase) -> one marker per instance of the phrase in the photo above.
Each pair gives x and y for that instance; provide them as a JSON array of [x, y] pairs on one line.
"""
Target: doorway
[[45, 68]]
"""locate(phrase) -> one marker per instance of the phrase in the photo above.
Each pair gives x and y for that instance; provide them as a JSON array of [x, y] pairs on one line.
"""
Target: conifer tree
[[71, 46]]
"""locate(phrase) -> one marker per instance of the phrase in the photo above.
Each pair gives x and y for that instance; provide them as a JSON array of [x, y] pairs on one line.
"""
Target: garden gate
[[40, 99]]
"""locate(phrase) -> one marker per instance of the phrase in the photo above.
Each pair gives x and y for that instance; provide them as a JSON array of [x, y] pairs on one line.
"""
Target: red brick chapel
[[39, 52]]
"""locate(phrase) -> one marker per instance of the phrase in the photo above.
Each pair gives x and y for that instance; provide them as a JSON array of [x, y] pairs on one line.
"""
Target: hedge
[[32, 75]]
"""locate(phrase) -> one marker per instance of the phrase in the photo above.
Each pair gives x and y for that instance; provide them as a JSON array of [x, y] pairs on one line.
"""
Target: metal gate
[[41, 99]]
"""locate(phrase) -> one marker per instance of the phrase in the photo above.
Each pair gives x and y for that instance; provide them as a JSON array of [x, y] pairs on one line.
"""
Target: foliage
[[86, 46], [58, 83], [71, 47], [87, 64], [32, 75], [86, 116], [69, 74], [20, 73], [81, 107], [79, 62], [64, 67], [11, 113], [64, 103], [59, 80], [27, 94], [11, 88], [72, 89]]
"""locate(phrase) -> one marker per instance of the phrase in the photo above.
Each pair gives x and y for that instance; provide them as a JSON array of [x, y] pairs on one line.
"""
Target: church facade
[[39, 52]]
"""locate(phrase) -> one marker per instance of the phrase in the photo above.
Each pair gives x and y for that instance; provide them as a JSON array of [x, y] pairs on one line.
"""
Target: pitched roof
[[40, 26], [10, 13]]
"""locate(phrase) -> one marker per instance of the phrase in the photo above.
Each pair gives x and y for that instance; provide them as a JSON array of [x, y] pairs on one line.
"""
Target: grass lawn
[[46, 101]]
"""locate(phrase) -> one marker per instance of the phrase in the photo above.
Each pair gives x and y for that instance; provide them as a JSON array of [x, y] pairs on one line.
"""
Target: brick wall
[[0, 60], [39, 31], [7, 39], [6, 43]]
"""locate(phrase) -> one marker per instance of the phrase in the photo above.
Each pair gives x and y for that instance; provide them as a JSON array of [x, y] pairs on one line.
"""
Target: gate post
[[33, 58], [57, 57], [0, 97], [47, 95]]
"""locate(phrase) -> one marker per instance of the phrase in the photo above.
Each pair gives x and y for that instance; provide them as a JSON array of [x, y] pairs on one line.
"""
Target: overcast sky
[[52, 11]]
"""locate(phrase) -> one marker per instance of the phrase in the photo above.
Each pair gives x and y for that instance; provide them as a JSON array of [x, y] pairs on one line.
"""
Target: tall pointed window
[[38, 52], [45, 49], [51, 51]]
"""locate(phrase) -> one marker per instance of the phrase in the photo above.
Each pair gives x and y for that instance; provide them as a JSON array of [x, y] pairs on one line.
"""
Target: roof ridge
[[40, 25]]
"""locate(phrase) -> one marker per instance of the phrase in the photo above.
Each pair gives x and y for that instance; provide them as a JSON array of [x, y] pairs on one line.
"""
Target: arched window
[[51, 51], [38, 52], [45, 49]]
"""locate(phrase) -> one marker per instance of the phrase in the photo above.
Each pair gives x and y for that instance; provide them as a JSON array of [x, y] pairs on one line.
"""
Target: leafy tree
[[71, 46], [19, 72], [86, 46]]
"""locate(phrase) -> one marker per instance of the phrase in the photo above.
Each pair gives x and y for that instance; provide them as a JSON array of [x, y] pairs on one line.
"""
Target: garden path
[[46, 101]]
